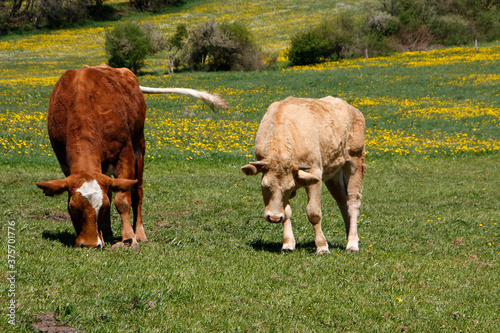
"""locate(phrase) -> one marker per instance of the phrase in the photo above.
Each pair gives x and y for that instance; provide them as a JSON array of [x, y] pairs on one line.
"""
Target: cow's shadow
[[64, 237], [275, 247], [69, 238]]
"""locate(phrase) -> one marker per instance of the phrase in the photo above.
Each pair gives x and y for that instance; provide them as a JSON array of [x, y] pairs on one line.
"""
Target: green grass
[[430, 246], [429, 254]]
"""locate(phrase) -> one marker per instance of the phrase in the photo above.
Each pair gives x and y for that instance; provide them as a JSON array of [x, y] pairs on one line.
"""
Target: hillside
[[272, 24]]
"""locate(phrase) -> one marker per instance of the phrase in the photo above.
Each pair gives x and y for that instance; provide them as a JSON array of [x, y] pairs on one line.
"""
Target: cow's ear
[[122, 184], [54, 187], [306, 179], [253, 168], [249, 170]]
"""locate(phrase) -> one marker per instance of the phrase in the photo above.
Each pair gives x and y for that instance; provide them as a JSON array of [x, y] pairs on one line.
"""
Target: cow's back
[[100, 108], [312, 130]]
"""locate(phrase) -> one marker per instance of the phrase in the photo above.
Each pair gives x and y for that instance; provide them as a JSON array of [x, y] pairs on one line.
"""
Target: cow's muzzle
[[274, 218]]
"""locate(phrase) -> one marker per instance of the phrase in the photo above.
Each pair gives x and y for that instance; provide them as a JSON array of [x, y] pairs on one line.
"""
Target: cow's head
[[88, 202], [280, 181]]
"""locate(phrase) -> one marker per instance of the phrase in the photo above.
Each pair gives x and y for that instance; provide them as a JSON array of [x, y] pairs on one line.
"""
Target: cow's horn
[[258, 163]]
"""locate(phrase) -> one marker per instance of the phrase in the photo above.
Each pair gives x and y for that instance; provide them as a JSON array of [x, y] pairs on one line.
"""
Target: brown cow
[[96, 128], [301, 142]]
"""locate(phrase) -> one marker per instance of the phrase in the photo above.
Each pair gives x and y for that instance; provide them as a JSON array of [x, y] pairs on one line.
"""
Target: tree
[[175, 45]]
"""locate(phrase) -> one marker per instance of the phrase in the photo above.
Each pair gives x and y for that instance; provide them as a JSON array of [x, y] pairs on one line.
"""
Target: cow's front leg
[[125, 168], [288, 239], [105, 228], [314, 215], [123, 202]]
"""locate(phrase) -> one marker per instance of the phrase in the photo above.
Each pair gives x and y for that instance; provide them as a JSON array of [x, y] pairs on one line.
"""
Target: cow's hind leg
[[338, 187], [137, 193], [314, 215], [357, 169]]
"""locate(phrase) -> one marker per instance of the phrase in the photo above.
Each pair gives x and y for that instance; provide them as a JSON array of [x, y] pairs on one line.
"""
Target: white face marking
[[93, 193]]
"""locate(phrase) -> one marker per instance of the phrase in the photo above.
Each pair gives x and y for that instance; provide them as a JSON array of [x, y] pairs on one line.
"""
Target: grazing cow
[[96, 128], [301, 142]]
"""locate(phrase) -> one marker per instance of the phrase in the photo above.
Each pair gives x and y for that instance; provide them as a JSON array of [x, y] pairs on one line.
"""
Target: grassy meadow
[[430, 245]]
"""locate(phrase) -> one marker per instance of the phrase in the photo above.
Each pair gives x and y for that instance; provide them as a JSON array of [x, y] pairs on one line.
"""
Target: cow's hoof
[[322, 251], [122, 245], [140, 234], [283, 250], [116, 246], [132, 244], [141, 238], [288, 247], [352, 250]]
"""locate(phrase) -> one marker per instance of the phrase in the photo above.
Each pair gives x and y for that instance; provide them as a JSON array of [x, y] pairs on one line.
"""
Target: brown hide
[[301, 142], [96, 127]]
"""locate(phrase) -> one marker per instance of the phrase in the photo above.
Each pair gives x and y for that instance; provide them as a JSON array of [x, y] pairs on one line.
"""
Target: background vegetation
[[385, 26], [429, 226], [26, 15]]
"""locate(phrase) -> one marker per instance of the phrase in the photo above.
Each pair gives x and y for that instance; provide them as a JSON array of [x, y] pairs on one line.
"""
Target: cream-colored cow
[[301, 142]]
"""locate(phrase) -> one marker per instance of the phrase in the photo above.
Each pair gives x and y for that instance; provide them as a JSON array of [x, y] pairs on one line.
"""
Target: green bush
[[451, 22], [246, 55], [61, 13], [451, 30], [487, 23], [382, 23], [330, 40], [154, 5], [128, 44], [221, 47], [307, 47], [102, 12]]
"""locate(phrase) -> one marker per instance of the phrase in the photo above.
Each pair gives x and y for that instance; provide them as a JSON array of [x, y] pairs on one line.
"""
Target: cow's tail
[[212, 100]]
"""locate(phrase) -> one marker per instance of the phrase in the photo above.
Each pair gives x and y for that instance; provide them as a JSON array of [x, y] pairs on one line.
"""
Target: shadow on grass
[[64, 237], [69, 239], [275, 247]]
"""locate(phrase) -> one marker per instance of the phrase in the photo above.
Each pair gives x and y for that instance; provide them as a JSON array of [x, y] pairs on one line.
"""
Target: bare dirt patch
[[54, 217], [49, 323]]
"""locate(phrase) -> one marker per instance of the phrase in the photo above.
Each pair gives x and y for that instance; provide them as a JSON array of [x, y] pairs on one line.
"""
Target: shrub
[[330, 40], [451, 22], [246, 55], [102, 12], [383, 23], [451, 30], [62, 13], [307, 47], [221, 47], [154, 5], [487, 23], [128, 44]]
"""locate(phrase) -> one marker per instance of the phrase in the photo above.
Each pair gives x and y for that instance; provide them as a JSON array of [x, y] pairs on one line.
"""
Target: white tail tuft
[[212, 100]]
